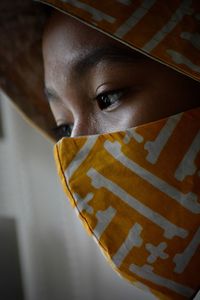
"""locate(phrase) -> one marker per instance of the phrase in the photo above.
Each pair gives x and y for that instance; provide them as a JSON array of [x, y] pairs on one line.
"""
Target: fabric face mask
[[137, 192]]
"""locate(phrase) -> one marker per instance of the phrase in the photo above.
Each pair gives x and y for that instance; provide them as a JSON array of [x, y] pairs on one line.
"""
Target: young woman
[[122, 80]]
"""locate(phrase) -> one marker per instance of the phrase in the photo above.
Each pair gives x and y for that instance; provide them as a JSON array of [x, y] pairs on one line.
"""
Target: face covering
[[137, 193]]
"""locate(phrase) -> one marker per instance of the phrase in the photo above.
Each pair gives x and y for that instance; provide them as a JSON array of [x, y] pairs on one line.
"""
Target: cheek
[[117, 120], [136, 110]]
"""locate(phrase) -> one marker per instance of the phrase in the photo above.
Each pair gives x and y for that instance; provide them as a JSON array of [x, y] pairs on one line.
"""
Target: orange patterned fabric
[[165, 30], [138, 193]]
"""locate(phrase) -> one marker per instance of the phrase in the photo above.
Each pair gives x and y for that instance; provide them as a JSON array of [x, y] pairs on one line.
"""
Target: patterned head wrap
[[165, 31]]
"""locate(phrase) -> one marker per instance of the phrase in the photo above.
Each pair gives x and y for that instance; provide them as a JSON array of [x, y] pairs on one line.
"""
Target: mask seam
[[67, 186]]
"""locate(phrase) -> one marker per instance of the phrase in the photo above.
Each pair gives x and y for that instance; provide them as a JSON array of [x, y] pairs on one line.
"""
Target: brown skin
[[136, 89]]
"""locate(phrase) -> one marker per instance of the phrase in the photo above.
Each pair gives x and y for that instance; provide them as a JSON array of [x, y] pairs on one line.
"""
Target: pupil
[[104, 102]]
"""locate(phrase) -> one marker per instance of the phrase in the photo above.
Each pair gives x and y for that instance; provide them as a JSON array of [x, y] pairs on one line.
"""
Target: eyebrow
[[110, 53]]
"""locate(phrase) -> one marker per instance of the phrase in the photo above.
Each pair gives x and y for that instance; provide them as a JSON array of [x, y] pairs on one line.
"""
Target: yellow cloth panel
[[138, 192]]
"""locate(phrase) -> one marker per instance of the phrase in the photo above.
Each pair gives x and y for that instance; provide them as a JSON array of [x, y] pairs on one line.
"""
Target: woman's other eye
[[63, 130], [108, 100]]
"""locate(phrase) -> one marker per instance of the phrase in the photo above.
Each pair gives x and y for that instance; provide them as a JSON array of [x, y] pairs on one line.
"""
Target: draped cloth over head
[[165, 31]]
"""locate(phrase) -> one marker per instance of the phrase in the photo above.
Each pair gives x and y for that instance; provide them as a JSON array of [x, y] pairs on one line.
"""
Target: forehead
[[70, 48], [67, 37]]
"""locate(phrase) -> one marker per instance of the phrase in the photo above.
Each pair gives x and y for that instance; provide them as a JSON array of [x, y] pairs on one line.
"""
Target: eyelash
[[104, 100], [63, 130]]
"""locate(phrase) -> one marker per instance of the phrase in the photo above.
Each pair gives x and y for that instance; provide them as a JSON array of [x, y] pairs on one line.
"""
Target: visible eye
[[63, 130], [108, 99]]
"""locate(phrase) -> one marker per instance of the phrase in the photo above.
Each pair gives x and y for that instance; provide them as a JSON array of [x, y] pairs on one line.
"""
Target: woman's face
[[95, 84]]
